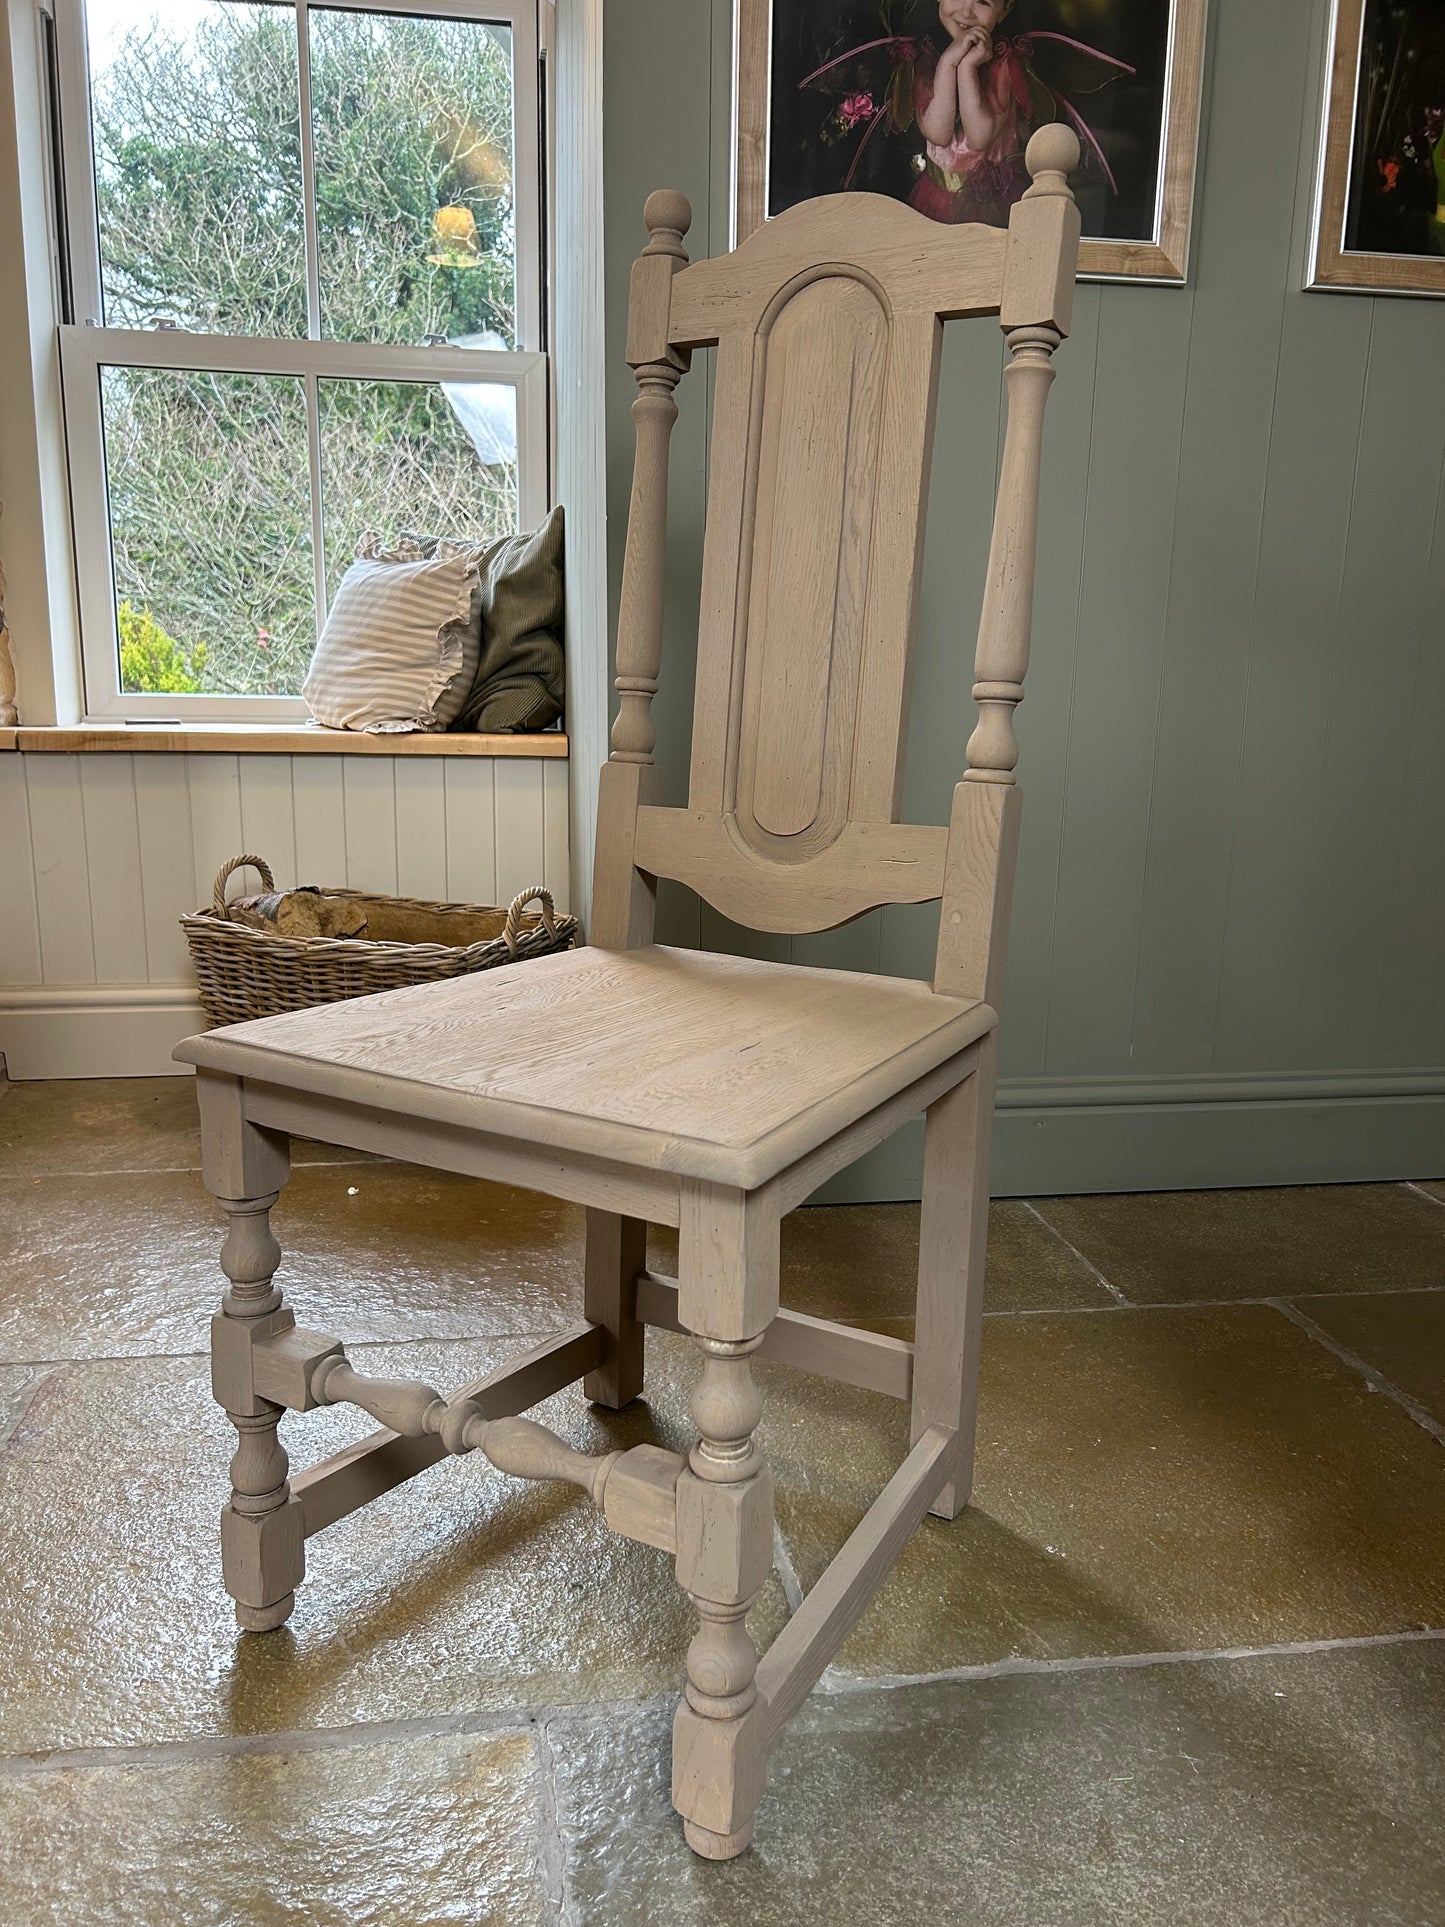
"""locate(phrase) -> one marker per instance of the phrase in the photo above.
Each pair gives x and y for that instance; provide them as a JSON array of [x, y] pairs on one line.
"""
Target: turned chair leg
[[953, 1233], [616, 1253], [728, 1296], [263, 1556], [724, 1554]]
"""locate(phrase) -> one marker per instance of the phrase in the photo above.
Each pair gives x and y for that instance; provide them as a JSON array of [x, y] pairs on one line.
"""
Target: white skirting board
[[1052, 1138], [96, 1030]]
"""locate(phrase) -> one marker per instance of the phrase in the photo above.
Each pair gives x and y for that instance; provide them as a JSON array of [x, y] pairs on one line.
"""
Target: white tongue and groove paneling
[[214, 785], [421, 825], [20, 921], [101, 854], [62, 872], [268, 815], [370, 814], [471, 828], [167, 862], [520, 831], [113, 868], [318, 796]]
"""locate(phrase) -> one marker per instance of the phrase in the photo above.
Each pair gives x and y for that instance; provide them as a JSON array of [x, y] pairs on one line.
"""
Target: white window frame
[[87, 346]]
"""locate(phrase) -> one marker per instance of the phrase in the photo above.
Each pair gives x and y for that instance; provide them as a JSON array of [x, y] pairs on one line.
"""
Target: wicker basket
[[247, 973]]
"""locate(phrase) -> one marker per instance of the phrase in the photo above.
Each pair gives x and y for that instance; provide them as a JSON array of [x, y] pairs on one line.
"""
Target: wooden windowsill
[[287, 739]]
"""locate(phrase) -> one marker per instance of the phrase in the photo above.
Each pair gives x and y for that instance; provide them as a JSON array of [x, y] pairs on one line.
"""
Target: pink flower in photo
[[855, 108]]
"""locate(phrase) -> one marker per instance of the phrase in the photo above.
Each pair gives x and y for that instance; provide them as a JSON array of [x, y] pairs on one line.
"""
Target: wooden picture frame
[[1350, 197], [1161, 255]]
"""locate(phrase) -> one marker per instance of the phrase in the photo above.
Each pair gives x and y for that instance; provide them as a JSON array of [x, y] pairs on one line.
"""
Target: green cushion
[[525, 692], [520, 682]]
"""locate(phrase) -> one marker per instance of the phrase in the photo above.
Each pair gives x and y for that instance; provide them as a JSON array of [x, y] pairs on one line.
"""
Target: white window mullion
[[278, 355], [318, 547], [526, 176], [77, 156], [308, 172]]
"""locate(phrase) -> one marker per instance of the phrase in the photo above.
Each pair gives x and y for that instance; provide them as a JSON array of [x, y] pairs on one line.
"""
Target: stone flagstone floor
[[1183, 1660]]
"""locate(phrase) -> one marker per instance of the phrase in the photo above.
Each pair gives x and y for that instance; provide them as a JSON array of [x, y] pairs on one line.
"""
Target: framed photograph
[[1380, 205], [933, 101]]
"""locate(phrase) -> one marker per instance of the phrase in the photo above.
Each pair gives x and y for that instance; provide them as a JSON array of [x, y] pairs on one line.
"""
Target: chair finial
[[1051, 156], [667, 216]]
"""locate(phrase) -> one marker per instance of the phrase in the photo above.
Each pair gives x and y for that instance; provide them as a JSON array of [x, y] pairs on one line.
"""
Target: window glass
[[195, 125], [210, 525], [321, 202], [419, 458], [412, 125]]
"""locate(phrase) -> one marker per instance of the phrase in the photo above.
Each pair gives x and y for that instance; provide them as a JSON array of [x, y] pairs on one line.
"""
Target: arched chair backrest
[[827, 323]]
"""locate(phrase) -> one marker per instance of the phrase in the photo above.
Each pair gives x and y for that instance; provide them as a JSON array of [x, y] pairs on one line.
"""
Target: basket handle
[[218, 893], [514, 915]]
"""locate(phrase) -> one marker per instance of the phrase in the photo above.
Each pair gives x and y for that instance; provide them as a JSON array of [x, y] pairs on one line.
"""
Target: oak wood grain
[[299, 739], [581, 1051]]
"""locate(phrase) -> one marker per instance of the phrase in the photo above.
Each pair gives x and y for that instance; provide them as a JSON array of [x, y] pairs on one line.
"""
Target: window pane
[[198, 165], [210, 514], [418, 458], [413, 137]]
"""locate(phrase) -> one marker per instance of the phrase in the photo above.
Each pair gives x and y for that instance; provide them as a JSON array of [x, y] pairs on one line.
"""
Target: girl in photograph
[[966, 99], [973, 106]]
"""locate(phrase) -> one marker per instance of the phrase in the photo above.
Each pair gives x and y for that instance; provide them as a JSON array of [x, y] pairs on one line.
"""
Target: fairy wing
[[1066, 66], [1059, 67], [866, 91], [880, 70]]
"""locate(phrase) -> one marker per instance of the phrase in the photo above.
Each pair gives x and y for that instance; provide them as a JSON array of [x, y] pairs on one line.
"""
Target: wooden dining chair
[[713, 1093]]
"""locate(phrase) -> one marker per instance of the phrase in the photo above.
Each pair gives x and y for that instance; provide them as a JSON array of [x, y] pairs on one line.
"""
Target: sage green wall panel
[[720, 933], [1411, 1023], [857, 946], [1139, 386], [1234, 783], [1382, 611], [966, 448], [1243, 273], [1309, 488]]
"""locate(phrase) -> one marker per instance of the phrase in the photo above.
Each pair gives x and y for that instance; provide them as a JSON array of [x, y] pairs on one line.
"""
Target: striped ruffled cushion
[[400, 647]]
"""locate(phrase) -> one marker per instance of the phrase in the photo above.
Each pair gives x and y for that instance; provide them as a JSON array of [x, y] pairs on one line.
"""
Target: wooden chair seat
[[709, 1066], [713, 1093]]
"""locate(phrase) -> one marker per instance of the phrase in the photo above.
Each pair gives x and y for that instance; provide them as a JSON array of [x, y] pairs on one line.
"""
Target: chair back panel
[[827, 324], [824, 355]]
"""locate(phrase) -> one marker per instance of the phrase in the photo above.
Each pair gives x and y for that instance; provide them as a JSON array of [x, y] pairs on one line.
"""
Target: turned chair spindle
[[657, 368]]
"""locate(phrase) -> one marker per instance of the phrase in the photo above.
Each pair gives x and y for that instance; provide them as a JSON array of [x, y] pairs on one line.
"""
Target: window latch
[[433, 341], [164, 321]]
